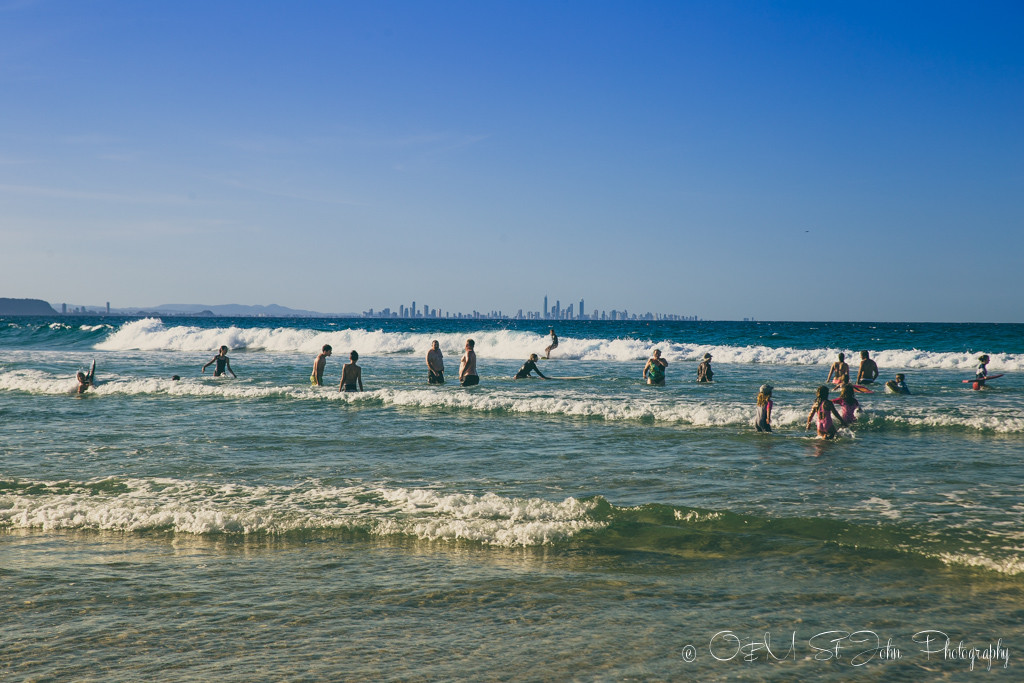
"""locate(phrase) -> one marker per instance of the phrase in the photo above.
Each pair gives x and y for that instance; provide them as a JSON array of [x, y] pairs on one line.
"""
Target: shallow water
[[591, 528]]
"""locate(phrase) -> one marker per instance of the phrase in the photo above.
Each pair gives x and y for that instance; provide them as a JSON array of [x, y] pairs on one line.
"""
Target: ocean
[[589, 527]]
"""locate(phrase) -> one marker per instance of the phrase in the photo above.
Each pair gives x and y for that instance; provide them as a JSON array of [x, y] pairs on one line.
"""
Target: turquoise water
[[592, 528]]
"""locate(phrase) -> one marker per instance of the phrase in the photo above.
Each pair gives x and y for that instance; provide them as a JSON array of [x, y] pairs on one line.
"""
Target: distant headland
[[25, 307]]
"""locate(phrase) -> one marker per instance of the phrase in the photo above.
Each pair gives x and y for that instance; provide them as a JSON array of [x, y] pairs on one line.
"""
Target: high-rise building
[[582, 314], [557, 313], [545, 305]]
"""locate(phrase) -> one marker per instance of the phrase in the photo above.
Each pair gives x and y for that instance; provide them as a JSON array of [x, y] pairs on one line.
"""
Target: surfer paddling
[[223, 363], [529, 366]]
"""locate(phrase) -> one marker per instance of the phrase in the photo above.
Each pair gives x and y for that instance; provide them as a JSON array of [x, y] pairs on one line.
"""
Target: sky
[[775, 160]]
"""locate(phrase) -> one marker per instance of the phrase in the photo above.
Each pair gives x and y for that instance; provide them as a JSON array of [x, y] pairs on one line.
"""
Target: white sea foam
[[190, 507], [151, 334], [688, 411]]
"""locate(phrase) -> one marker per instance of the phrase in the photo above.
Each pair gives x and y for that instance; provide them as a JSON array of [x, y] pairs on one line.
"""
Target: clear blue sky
[[782, 160]]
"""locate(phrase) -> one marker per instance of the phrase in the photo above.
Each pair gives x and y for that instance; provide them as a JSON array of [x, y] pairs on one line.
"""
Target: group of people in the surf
[[844, 408]]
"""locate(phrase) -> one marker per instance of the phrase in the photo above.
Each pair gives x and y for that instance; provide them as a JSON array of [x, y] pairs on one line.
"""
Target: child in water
[[982, 371], [848, 404], [897, 386], [763, 416], [823, 410]]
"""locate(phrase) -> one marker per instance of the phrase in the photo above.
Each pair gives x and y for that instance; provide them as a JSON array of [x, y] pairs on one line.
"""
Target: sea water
[[587, 527]]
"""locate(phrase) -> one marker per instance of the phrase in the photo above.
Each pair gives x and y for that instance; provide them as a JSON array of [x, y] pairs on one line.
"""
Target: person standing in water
[[763, 416], [529, 366], [317, 378], [223, 363], [554, 344], [654, 371], [822, 411], [435, 364], [351, 374], [704, 372], [839, 373], [868, 371], [848, 404], [467, 366]]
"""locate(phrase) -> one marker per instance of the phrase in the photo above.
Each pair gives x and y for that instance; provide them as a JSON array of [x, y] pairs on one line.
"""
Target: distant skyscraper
[[557, 313], [581, 309], [545, 305]]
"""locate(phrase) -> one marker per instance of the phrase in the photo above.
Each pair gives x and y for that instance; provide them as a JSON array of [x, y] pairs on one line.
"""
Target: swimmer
[[897, 386], [86, 380], [763, 416], [868, 371], [654, 371], [467, 366], [841, 371], [848, 404], [529, 366], [317, 378], [704, 372], [822, 411], [221, 359], [351, 374], [554, 344], [435, 364]]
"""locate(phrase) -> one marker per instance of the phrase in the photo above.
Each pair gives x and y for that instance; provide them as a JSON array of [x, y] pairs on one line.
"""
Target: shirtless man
[[467, 366], [868, 372], [840, 370], [86, 380], [351, 374], [221, 359], [435, 364], [554, 344], [317, 378]]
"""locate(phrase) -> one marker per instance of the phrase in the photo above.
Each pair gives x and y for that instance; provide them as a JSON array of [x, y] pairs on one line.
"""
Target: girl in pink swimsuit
[[823, 411], [848, 404]]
